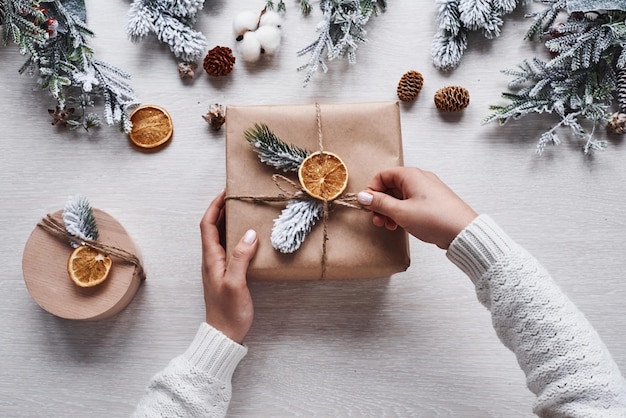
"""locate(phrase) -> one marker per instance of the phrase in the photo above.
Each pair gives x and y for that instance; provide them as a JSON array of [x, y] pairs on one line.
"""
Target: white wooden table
[[415, 344]]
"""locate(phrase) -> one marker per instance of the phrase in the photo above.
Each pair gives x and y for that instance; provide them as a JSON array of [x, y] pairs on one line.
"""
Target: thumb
[[242, 254], [378, 202]]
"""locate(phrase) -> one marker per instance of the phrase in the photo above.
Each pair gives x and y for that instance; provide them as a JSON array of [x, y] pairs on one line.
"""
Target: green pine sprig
[[79, 219], [20, 20], [272, 150], [65, 63]]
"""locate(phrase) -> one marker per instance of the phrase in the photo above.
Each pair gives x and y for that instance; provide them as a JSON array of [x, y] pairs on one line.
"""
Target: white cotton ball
[[269, 37], [245, 21], [270, 18], [250, 47]]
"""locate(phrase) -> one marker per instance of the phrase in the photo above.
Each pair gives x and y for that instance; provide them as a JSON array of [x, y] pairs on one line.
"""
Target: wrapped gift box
[[44, 265], [367, 136]]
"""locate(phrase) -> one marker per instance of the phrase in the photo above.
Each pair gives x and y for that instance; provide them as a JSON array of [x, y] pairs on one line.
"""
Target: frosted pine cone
[[410, 86], [216, 116], [452, 98], [617, 123], [219, 61], [186, 69]]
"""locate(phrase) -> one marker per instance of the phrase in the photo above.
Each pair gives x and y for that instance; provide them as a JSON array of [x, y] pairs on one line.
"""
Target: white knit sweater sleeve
[[197, 383], [567, 365]]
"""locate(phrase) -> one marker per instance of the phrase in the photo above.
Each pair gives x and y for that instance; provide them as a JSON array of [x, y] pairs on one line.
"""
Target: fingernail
[[249, 237], [364, 198]]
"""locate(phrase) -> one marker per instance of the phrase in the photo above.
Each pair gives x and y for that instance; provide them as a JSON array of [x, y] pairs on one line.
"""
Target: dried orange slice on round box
[[88, 267], [323, 175]]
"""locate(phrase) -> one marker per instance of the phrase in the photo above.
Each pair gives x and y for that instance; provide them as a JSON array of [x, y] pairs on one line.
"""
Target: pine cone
[[216, 116], [219, 61], [186, 69], [452, 98], [410, 85], [617, 123]]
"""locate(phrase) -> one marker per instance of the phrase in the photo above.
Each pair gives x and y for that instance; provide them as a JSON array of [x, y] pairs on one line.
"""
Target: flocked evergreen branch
[[457, 18], [79, 219], [172, 22], [272, 150], [579, 84], [119, 97], [20, 20], [341, 31], [300, 215], [450, 41], [543, 20], [294, 224], [65, 63]]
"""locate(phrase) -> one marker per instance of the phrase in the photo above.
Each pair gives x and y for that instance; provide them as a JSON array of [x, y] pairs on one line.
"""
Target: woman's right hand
[[419, 202]]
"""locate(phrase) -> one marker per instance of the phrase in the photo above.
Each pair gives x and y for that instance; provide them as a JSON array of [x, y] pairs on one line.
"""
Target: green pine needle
[[79, 219], [272, 150]]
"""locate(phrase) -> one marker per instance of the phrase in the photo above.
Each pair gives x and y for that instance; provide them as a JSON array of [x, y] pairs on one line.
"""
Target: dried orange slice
[[152, 126], [88, 267], [323, 175]]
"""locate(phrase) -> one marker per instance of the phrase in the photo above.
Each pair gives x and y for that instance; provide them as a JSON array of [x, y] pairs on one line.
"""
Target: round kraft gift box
[[44, 265]]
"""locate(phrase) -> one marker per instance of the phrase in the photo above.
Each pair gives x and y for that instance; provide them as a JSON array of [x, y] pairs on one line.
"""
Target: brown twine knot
[[57, 229]]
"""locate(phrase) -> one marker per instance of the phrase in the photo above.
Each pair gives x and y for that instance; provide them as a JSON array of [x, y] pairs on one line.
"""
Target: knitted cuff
[[215, 353], [479, 246]]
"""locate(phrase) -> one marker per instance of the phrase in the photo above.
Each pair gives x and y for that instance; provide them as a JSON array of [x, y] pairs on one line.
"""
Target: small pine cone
[[410, 86], [452, 98], [617, 123], [219, 61], [186, 69], [216, 116]]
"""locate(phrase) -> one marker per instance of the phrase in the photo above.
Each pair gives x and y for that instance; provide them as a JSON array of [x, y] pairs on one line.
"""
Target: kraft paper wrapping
[[368, 138]]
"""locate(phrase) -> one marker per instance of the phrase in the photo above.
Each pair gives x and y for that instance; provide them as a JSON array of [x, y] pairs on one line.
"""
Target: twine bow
[[57, 229], [346, 199]]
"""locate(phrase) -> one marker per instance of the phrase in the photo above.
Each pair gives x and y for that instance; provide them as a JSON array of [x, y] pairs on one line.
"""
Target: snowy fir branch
[[172, 22], [272, 150], [543, 20], [580, 84], [294, 224], [79, 219], [340, 32], [21, 20], [65, 63], [457, 18], [300, 215]]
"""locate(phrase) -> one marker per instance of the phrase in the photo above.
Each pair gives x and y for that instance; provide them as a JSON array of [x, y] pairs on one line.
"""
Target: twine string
[[57, 229], [346, 199], [320, 138]]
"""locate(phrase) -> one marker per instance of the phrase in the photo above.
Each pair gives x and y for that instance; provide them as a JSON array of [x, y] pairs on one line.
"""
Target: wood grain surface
[[415, 344]]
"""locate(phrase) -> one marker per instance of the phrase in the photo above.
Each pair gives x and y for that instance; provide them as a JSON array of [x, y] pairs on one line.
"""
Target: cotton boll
[[269, 37], [250, 47], [245, 21], [270, 18]]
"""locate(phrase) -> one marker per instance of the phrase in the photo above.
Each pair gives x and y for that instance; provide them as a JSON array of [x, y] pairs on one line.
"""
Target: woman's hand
[[228, 302], [419, 202]]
